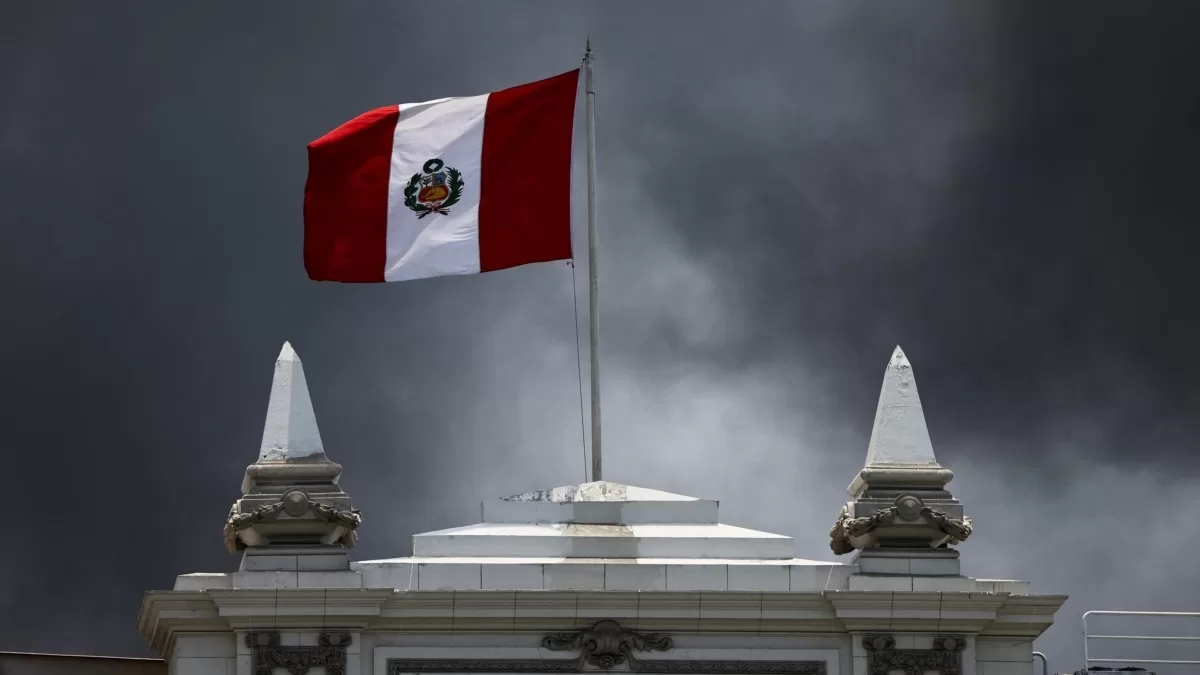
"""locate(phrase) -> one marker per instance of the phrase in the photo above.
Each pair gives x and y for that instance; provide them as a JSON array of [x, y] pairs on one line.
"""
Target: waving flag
[[451, 186]]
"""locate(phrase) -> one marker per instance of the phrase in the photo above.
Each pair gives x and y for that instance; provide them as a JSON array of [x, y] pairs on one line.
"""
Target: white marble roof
[[601, 536], [602, 520], [569, 540], [598, 491], [600, 503]]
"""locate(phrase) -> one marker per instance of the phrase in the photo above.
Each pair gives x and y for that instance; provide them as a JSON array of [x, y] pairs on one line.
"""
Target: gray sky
[[787, 190]]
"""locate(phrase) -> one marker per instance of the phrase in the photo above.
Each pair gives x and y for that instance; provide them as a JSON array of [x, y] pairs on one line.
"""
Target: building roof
[[601, 536]]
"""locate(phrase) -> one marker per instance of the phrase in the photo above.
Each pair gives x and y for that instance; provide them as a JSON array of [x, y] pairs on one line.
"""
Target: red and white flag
[[451, 186]]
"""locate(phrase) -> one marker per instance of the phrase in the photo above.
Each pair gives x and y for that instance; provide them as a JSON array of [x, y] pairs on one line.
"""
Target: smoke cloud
[[786, 192]]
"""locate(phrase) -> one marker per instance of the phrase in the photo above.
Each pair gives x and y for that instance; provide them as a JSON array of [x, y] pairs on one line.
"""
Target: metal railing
[[1088, 661], [1045, 668]]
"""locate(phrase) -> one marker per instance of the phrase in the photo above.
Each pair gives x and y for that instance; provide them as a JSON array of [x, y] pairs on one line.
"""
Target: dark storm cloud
[[787, 190]]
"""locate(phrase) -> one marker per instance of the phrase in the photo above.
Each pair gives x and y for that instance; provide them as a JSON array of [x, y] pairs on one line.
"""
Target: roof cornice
[[167, 613]]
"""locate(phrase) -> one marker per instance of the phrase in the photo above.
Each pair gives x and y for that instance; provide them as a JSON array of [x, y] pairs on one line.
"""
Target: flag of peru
[[451, 186]]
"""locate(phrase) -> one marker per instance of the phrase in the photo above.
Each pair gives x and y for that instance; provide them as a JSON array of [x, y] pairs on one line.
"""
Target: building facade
[[597, 577]]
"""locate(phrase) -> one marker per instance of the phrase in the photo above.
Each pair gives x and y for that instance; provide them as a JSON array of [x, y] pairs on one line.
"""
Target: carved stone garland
[[294, 503], [945, 657], [907, 507], [267, 654]]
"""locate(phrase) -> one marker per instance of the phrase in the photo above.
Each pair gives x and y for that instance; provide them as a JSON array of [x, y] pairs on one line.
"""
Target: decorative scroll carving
[[906, 508], [944, 658], [404, 666], [267, 654], [607, 645]]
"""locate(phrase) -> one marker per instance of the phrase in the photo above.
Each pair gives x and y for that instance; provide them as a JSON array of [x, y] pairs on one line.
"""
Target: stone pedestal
[[295, 558], [901, 519], [291, 505], [909, 562]]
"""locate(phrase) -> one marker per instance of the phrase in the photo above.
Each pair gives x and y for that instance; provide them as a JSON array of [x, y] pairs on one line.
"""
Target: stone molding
[[944, 658], [748, 667], [605, 646], [267, 654], [401, 666], [165, 613]]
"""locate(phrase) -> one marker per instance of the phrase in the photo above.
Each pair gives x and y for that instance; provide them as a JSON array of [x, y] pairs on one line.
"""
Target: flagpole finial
[[587, 47]]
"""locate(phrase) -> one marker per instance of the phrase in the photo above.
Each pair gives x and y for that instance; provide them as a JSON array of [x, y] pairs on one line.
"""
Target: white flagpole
[[590, 102]]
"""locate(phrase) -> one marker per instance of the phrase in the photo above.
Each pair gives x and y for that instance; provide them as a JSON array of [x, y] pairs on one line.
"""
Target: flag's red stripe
[[525, 174], [346, 199]]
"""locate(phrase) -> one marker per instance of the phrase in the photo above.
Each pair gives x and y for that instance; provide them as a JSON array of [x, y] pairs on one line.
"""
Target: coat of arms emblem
[[434, 190]]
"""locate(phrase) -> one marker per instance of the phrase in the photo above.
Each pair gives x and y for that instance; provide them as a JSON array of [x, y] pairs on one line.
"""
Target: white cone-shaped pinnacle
[[900, 436], [290, 432]]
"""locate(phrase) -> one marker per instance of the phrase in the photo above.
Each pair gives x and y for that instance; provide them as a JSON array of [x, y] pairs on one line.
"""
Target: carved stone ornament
[[907, 508], [606, 645], [945, 658], [267, 655], [295, 503]]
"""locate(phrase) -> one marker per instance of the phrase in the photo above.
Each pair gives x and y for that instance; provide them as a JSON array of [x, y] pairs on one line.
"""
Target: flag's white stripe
[[449, 129]]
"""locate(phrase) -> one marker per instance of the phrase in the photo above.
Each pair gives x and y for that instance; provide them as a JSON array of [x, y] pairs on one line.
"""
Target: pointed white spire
[[900, 436], [290, 432]]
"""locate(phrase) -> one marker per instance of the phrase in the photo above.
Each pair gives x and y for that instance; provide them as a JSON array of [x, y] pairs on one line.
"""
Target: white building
[[597, 577]]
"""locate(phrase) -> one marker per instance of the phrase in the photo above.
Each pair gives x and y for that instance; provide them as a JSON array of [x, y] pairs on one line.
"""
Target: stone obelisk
[[292, 514]]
